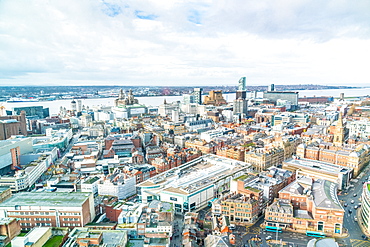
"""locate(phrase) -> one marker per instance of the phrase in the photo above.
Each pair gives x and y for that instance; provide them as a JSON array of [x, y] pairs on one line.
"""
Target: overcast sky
[[184, 42]]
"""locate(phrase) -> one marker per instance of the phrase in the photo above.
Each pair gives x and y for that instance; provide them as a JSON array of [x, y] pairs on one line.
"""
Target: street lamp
[[277, 231]]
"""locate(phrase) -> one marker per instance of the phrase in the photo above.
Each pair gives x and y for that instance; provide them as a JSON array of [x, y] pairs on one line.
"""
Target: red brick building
[[55, 209]]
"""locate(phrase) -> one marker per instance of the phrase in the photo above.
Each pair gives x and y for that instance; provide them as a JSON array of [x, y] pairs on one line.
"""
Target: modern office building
[[34, 112], [193, 184], [241, 92], [288, 117], [275, 95], [240, 107], [53, 138], [188, 99], [197, 93]]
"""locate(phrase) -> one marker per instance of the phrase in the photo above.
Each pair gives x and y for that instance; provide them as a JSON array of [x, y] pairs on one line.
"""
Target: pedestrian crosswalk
[[360, 243]]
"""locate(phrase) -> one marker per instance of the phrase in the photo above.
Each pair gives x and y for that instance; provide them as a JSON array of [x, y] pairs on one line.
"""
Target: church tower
[[339, 132]]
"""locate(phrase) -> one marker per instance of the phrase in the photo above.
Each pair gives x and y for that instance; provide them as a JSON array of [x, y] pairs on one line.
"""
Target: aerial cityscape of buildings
[[203, 171]]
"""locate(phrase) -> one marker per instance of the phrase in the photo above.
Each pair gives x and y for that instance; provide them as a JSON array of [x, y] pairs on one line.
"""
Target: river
[[54, 106]]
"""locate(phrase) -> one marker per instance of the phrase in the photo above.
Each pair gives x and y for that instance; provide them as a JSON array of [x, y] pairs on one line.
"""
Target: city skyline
[[176, 43]]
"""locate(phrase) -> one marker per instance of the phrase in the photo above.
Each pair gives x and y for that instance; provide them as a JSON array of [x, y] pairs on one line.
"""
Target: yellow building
[[214, 98]]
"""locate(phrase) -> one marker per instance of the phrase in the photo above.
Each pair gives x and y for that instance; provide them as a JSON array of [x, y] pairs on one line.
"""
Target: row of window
[[61, 213], [70, 224], [41, 213], [281, 219], [70, 219], [237, 206], [30, 213], [42, 219], [35, 219], [36, 224], [238, 214]]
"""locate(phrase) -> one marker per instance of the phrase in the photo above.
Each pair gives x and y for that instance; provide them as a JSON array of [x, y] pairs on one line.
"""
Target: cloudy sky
[[184, 42]]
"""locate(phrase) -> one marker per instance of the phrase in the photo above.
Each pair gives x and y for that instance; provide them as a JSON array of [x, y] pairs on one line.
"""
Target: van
[[232, 226]]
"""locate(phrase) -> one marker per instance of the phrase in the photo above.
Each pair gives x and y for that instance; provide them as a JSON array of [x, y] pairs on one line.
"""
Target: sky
[[184, 42]]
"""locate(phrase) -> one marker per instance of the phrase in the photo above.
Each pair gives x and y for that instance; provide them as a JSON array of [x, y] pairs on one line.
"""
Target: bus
[[315, 234], [273, 229], [210, 202]]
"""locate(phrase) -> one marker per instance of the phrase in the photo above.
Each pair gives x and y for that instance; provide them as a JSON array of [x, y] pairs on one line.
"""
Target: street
[[355, 233]]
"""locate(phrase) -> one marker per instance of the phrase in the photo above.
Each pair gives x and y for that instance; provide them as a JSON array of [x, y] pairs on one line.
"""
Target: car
[[354, 195], [352, 201], [355, 218], [350, 211], [268, 237], [356, 207], [364, 237], [345, 204]]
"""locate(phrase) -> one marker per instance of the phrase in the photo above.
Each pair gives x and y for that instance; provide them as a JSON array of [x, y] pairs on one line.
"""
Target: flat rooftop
[[48, 199], [196, 174], [317, 165]]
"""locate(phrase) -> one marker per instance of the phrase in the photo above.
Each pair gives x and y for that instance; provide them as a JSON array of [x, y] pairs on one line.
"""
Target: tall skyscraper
[[198, 95], [241, 93], [240, 107], [242, 83]]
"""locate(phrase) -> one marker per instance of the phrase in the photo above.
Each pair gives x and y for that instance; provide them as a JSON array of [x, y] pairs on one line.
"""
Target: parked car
[[345, 204], [268, 237], [350, 211], [355, 218], [353, 201], [354, 195], [356, 207]]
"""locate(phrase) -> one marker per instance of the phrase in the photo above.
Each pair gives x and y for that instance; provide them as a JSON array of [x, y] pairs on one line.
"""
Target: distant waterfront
[[54, 106]]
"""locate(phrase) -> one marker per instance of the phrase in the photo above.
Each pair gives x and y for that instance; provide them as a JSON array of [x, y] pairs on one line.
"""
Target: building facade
[[56, 209], [365, 207], [239, 208], [307, 205]]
